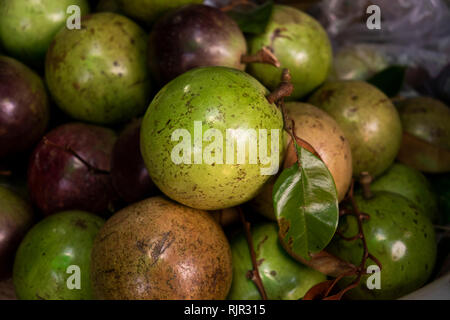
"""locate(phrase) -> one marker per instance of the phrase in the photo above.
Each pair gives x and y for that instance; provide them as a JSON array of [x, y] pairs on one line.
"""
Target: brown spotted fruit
[[324, 137], [368, 119], [24, 107], [300, 44], [199, 36], [210, 139], [399, 235], [98, 73], [426, 140], [157, 249]]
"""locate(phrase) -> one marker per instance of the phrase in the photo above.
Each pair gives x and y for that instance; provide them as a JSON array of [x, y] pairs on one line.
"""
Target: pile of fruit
[[174, 150]]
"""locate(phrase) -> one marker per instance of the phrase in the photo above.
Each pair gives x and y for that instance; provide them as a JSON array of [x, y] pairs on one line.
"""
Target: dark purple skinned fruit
[[24, 107], [128, 172], [194, 36], [442, 85], [70, 170]]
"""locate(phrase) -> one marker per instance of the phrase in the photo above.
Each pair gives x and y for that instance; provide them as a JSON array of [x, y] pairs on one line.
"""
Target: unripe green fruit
[[283, 277], [399, 235], [49, 249], [368, 119], [300, 44], [188, 126], [28, 27], [99, 73], [411, 184]]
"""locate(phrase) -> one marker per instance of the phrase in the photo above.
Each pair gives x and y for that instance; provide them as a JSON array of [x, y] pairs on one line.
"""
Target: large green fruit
[[411, 184], [148, 11], [203, 109], [41, 268], [426, 145], [28, 27], [16, 217], [99, 74], [300, 44], [368, 119], [399, 235], [157, 249], [283, 277]]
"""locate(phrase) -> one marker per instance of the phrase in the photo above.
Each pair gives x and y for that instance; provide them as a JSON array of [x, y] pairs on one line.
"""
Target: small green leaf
[[389, 80], [255, 19], [306, 206]]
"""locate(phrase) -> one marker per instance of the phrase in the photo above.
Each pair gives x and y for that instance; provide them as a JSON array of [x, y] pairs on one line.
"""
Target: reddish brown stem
[[284, 90], [365, 180], [237, 3], [264, 55], [254, 273], [5, 173]]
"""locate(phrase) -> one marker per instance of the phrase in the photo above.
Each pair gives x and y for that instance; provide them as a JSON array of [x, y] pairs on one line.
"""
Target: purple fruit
[[70, 170], [24, 108], [129, 174], [194, 36]]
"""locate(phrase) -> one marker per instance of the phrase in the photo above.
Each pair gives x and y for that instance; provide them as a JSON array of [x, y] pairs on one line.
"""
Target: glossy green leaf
[[389, 80], [254, 19], [306, 206]]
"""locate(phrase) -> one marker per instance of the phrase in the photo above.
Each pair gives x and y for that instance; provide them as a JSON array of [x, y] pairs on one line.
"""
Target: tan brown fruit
[[322, 132], [157, 249]]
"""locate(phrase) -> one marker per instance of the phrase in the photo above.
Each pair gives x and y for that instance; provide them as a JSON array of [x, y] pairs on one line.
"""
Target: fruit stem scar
[[262, 56]]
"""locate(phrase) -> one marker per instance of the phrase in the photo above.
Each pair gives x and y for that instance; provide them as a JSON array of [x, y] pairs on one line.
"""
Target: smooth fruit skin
[[28, 27], [45, 254], [128, 172], [69, 170], [300, 44], [16, 217], [147, 11], [411, 184], [98, 73], [283, 277], [399, 235], [159, 250], [321, 131], [234, 101], [368, 119], [199, 36], [428, 120], [24, 107]]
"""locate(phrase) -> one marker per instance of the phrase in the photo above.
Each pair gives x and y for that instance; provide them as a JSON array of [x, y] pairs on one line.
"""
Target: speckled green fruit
[[98, 73], [283, 277], [300, 44], [399, 235], [28, 27], [148, 11], [357, 62], [368, 119], [45, 254], [216, 100], [411, 184], [427, 120]]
